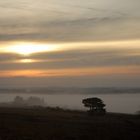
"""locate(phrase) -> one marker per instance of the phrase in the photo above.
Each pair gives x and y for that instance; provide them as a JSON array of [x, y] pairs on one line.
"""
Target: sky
[[70, 43]]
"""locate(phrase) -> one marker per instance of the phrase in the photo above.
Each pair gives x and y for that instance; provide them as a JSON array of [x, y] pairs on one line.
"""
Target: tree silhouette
[[96, 106]]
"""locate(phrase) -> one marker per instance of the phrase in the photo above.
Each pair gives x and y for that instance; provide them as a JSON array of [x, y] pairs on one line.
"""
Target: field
[[59, 124]]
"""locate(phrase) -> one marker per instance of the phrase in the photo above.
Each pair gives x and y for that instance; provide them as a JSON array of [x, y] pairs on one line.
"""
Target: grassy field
[[58, 124]]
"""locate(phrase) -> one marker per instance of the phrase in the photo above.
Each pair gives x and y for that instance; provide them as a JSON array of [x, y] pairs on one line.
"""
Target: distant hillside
[[54, 90]]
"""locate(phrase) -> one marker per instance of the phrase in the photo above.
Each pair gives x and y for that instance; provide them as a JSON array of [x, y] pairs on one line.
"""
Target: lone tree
[[96, 106]]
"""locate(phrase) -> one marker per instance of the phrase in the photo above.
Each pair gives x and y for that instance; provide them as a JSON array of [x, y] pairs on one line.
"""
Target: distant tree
[[31, 101], [138, 113], [95, 105], [18, 100], [35, 101]]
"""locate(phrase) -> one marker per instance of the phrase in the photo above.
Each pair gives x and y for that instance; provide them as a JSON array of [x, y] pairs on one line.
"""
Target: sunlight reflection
[[26, 49], [27, 60]]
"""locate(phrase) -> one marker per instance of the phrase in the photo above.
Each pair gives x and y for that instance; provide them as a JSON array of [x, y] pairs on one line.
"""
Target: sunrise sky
[[70, 43]]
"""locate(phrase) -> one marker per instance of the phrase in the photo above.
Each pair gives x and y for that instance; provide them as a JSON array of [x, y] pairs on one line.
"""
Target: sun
[[30, 48]]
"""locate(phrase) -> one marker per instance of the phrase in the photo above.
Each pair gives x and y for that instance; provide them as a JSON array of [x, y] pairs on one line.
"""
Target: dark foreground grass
[[58, 124]]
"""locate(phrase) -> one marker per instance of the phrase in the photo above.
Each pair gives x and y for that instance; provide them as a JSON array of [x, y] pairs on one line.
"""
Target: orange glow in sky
[[122, 70]]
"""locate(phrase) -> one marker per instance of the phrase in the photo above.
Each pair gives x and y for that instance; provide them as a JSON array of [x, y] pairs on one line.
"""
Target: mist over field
[[123, 100]]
